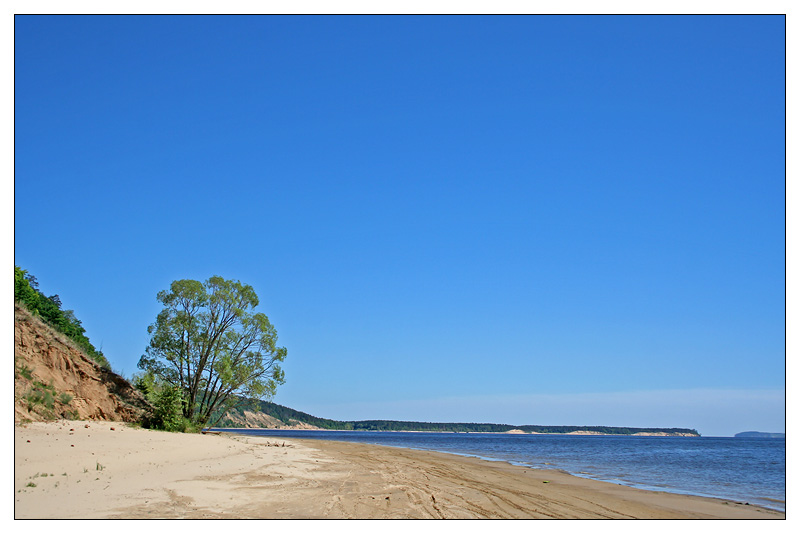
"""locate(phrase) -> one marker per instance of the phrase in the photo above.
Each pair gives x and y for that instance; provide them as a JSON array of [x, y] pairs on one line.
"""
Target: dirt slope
[[53, 379]]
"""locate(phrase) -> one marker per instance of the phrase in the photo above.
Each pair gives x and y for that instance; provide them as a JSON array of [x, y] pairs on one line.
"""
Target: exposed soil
[[53, 379]]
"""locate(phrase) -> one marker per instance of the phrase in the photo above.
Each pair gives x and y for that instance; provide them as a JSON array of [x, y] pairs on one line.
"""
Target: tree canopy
[[210, 344]]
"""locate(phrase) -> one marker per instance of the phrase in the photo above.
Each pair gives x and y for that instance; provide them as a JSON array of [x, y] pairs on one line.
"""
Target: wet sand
[[83, 469]]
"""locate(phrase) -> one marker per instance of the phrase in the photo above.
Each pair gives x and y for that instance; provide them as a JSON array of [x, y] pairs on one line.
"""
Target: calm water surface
[[749, 470]]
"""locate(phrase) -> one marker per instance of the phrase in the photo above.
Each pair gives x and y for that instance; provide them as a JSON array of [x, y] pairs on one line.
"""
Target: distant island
[[271, 415], [760, 435]]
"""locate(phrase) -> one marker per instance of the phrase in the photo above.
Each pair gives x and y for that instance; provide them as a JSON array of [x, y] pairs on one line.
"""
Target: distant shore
[[76, 469], [516, 432]]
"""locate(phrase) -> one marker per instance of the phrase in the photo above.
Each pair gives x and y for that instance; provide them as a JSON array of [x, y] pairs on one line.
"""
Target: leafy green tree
[[25, 288], [210, 344]]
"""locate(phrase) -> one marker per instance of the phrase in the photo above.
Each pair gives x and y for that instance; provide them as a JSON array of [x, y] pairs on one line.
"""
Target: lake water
[[751, 470]]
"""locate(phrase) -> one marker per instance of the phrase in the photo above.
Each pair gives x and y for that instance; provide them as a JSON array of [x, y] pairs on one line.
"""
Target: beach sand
[[110, 470]]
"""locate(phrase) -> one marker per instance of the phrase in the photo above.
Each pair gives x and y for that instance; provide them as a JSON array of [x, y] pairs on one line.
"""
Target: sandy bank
[[97, 472]]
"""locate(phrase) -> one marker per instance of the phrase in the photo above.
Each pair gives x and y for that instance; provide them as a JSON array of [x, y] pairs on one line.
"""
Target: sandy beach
[[78, 469]]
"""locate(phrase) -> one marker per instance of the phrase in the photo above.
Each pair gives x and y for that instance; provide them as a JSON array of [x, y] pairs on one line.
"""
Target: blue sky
[[528, 220]]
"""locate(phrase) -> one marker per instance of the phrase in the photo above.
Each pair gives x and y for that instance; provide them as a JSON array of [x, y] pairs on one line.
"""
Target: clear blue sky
[[527, 220]]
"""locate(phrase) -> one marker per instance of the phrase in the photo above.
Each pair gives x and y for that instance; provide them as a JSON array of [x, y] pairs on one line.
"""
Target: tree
[[210, 344]]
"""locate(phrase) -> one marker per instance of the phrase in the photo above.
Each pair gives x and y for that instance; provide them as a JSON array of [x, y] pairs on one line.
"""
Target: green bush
[[168, 404], [168, 410]]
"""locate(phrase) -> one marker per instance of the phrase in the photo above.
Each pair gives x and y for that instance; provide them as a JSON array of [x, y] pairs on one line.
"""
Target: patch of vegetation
[[24, 371], [40, 397], [41, 394]]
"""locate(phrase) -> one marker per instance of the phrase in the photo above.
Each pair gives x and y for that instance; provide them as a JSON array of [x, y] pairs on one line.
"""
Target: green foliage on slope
[[26, 292]]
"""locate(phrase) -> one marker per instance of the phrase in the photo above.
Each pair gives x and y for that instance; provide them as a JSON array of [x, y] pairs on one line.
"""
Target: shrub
[[25, 372], [168, 410], [39, 396]]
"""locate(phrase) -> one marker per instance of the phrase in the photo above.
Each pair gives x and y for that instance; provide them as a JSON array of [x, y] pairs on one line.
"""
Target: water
[[751, 470]]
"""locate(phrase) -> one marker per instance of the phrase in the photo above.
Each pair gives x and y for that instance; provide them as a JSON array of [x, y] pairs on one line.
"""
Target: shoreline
[[84, 469], [582, 475], [508, 432]]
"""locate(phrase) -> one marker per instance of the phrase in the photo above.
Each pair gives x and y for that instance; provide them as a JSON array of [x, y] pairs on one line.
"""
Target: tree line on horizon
[[289, 416]]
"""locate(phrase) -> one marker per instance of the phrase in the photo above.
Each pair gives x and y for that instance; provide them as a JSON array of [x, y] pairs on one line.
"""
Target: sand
[[72, 469]]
